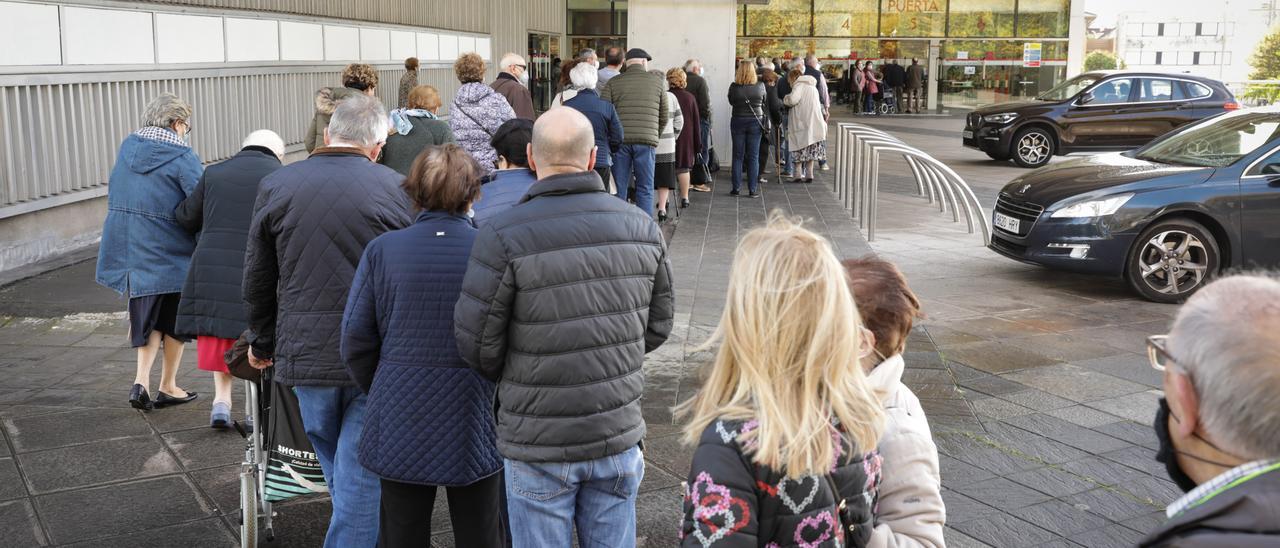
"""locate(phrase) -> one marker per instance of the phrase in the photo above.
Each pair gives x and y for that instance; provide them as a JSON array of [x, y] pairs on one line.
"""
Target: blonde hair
[[677, 78], [746, 74], [790, 339]]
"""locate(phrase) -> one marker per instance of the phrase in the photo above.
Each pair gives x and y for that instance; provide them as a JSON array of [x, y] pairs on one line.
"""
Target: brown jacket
[[911, 513], [515, 93]]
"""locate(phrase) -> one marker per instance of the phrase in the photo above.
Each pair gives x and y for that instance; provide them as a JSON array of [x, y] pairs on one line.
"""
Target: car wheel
[[999, 156], [1172, 259], [1032, 147]]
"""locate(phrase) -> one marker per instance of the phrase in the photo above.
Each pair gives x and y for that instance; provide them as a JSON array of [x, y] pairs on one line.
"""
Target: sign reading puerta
[[910, 9]]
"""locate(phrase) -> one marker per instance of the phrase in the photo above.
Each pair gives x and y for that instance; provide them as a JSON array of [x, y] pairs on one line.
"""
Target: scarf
[[400, 118], [162, 134]]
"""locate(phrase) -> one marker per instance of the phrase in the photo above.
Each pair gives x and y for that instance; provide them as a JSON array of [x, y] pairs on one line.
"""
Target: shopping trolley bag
[[293, 470]]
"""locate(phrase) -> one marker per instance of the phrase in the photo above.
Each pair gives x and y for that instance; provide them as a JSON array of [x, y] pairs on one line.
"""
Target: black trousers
[[475, 511], [605, 174]]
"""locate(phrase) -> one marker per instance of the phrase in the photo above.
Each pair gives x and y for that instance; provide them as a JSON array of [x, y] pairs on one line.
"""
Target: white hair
[[584, 76], [1226, 339], [267, 139], [509, 59], [359, 121], [165, 110], [692, 64]]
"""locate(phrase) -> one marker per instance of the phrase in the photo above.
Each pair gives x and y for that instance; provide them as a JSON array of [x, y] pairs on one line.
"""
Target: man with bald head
[[564, 295], [1218, 424]]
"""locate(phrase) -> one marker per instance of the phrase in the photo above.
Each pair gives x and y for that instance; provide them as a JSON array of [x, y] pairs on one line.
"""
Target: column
[[674, 31]]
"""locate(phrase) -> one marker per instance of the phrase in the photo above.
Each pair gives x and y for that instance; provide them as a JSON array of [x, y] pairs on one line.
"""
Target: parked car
[[1166, 217], [1095, 111]]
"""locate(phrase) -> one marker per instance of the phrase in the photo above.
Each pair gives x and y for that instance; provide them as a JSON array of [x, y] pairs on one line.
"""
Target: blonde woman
[[785, 421]]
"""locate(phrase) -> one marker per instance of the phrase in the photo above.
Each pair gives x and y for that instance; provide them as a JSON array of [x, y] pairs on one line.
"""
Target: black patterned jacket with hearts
[[732, 502]]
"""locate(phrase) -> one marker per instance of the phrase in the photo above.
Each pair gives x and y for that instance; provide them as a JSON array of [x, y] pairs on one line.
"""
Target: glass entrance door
[[544, 68], [981, 72]]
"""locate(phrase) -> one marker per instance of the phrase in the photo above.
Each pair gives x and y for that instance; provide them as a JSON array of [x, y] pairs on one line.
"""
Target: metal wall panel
[[468, 15]]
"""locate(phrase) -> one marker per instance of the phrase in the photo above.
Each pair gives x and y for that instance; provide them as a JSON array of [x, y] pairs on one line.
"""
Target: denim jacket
[[144, 251]]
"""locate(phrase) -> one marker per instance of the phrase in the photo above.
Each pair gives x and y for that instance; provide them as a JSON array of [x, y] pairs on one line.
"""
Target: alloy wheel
[[1033, 147], [1173, 262]]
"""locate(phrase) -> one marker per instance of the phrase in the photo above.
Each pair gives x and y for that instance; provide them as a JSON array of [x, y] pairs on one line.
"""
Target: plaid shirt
[[1222, 482], [161, 134]]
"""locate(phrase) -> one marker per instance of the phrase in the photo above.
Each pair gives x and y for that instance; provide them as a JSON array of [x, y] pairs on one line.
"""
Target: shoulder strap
[[476, 122]]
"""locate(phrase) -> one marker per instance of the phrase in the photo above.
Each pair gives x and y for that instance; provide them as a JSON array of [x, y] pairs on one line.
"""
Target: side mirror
[[1085, 98], [1271, 169]]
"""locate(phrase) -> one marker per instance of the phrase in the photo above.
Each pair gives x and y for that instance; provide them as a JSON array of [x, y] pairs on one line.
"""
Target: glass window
[[1217, 142], [1155, 89], [1044, 18], [779, 18], [981, 18], [1270, 166], [1109, 92], [1196, 91], [590, 17], [900, 18], [845, 18]]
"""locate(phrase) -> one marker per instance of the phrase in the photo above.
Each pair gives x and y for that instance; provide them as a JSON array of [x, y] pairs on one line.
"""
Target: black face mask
[[1167, 453]]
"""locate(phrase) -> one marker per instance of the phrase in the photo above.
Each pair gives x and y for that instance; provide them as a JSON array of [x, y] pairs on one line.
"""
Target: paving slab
[[73, 427], [90, 514], [19, 525], [96, 463]]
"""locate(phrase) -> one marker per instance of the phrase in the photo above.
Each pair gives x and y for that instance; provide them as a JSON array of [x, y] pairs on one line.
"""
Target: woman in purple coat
[[477, 112], [689, 142]]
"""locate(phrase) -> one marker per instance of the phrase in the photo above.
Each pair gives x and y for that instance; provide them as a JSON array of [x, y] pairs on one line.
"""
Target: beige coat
[[807, 124], [911, 512]]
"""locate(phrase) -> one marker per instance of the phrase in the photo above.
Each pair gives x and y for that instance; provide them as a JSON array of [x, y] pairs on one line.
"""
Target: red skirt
[[210, 352]]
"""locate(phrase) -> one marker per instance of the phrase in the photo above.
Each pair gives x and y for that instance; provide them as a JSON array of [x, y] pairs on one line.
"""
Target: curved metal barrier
[[857, 180]]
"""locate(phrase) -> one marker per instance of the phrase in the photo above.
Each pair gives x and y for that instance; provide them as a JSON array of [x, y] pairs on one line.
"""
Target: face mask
[[524, 79], [1167, 453]]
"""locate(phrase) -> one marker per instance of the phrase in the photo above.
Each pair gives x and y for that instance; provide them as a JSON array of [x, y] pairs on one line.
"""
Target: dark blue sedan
[[1166, 217]]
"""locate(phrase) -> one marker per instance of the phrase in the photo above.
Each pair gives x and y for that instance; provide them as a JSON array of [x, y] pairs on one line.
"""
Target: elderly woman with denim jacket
[[144, 252]]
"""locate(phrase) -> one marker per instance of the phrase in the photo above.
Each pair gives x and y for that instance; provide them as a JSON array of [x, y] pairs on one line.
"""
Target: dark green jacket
[[326, 101], [401, 150], [641, 101]]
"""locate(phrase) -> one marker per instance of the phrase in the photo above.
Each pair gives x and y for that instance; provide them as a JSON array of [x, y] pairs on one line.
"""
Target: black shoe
[[753, 195], [662, 216], [139, 399], [165, 400], [733, 193], [684, 203], [808, 180]]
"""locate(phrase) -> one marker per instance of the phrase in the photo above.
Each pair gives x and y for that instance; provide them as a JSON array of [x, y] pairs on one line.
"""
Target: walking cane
[[777, 152]]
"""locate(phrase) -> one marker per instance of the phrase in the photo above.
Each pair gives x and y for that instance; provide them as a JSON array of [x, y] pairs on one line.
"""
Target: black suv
[[1095, 111]]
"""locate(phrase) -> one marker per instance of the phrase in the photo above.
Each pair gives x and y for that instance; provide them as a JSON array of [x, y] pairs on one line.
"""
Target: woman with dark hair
[[513, 178], [565, 84], [430, 421], [407, 82]]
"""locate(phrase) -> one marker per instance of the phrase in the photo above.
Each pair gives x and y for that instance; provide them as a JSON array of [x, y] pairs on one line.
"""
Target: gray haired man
[[310, 225], [1219, 422]]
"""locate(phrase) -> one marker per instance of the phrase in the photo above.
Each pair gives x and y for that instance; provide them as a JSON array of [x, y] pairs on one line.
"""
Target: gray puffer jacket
[[564, 295]]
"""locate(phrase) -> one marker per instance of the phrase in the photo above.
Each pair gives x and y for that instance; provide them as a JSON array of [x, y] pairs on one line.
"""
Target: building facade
[[75, 76], [1217, 43]]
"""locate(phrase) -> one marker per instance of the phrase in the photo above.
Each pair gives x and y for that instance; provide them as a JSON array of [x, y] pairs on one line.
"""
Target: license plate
[[967, 134], [1005, 222]]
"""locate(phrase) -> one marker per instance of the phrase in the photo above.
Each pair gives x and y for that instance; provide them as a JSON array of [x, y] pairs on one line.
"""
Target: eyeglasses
[[1158, 352]]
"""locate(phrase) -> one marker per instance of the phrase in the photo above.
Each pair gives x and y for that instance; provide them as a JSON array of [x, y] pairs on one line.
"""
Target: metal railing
[[857, 180]]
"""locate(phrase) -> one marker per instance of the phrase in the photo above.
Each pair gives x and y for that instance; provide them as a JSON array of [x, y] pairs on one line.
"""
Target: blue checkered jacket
[[429, 418]]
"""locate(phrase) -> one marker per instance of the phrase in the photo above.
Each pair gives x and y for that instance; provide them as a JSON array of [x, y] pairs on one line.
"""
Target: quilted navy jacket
[[430, 417]]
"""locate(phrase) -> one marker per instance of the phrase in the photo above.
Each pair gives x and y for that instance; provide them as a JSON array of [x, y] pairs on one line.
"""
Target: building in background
[[1216, 43], [1099, 38], [75, 75]]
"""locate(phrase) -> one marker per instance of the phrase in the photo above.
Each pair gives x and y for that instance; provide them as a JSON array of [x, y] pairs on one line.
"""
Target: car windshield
[[1068, 89], [1216, 142]]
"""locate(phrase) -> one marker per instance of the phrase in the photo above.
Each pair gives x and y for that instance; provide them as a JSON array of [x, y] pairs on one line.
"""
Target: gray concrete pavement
[[1034, 382]]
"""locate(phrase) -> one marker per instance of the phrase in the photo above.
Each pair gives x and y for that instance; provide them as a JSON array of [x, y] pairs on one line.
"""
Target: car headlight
[[1002, 118], [1093, 208]]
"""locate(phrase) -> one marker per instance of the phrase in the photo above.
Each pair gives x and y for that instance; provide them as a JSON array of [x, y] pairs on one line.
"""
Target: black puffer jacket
[[732, 502], [564, 295], [310, 225], [220, 210]]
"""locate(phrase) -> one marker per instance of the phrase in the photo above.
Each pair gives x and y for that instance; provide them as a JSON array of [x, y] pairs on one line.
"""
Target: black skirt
[[153, 313], [664, 175]]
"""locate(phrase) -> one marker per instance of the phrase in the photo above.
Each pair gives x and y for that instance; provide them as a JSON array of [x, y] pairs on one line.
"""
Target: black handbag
[[237, 360], [854, 534]]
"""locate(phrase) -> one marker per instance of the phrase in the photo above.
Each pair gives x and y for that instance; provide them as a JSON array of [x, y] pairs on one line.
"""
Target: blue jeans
[[638, 160], [746, 131], [871, 103], [547, 500], [786, 147], [334, 418]]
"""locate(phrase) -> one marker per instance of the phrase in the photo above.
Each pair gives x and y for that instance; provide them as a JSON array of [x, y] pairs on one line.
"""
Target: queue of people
[[465, 305]]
